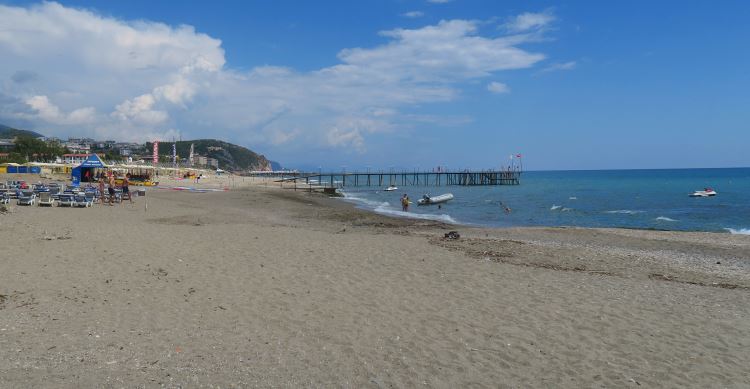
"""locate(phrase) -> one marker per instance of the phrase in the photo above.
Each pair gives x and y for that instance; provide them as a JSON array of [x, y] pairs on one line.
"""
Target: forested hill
[[10, 133], [230, 156]]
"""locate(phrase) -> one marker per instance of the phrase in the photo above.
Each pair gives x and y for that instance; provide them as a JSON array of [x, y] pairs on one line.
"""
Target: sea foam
[[555, 207], [385, 209], [739, 231], [665, 219], [625, 211]]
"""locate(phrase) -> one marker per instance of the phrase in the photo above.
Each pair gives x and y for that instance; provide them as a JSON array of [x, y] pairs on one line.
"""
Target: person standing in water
[[405, 203]]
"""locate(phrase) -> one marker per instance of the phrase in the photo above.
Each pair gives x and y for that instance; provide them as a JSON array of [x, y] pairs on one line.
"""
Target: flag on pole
[[518, 155], [156, 152]]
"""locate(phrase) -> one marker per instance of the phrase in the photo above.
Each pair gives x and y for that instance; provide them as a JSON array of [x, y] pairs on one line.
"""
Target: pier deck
[[383, 179]]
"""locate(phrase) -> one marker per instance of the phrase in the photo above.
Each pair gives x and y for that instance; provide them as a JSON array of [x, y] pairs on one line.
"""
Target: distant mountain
[[230, 156], [275, 166], [10, 132]]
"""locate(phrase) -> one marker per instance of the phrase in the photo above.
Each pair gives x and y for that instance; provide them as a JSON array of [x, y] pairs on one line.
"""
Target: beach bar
[[86, 171]]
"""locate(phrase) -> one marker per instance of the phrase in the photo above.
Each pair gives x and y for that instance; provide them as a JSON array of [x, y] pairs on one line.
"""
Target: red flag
[[518, 155]]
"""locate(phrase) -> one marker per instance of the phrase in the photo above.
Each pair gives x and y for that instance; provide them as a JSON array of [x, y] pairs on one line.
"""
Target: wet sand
[[261, 287]]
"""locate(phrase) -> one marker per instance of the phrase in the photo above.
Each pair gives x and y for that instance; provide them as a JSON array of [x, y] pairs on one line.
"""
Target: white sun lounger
[[45, 198]]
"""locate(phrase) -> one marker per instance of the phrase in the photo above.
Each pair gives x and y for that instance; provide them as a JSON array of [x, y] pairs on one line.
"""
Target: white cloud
[[450, 50], [498, 87], [138, 80], [140, 110], [47, 111], [530, 21], [413, 14], [570, 65]]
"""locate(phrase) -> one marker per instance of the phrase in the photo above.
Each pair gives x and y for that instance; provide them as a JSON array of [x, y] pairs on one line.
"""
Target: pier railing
[[384, 179]]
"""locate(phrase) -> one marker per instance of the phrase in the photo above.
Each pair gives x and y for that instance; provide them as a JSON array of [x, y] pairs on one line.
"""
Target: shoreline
[[266, 287]]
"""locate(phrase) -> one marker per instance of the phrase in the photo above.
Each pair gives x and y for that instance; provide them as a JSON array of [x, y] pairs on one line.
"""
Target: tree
[[33, 149]]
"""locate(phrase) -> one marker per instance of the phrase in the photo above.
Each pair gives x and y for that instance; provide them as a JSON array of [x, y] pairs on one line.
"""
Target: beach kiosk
[[85, 172]]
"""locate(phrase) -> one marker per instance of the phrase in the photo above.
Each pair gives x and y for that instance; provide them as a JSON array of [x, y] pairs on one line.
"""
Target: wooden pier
[[384, 179]]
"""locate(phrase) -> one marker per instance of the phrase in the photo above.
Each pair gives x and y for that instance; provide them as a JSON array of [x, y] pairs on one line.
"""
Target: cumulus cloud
[[140, 110], [51, 113], [530, 21], [140, 80], [498, 87]]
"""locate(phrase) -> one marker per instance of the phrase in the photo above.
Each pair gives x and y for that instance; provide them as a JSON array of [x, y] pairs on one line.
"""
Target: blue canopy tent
[[85, 171]]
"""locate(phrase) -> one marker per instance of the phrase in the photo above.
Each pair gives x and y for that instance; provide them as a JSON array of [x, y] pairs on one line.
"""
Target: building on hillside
[[77, 148], [199, 160], [74, 158], [7, 144], [203, 161]]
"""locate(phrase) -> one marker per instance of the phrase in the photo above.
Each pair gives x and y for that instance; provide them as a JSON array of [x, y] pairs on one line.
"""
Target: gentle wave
[[739, 231], [385, 210], [625, 211], [573, 198], [367, 202], [665, 219], [567, 209], [555, 207]]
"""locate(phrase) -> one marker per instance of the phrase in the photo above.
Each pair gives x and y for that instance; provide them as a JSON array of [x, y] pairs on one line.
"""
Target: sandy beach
[[263, 287]]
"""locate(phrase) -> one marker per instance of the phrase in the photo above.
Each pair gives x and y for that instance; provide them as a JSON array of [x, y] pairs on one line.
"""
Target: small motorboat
[[391, 188], [706, 192], [429, 200]]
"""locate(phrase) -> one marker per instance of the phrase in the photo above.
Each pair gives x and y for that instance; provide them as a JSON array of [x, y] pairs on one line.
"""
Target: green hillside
[[10, 133], [230, 156]]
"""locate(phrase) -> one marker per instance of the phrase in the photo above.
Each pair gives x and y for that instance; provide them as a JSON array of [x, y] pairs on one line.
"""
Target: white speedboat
[[429, 200], [391, 188], [707, 192]]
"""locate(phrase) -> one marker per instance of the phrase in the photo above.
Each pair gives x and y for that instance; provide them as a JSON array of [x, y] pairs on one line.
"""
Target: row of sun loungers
[[70, 199]]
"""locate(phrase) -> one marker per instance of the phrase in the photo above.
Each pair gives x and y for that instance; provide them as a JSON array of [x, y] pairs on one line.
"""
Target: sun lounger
[[46, 199], [90, 197], [81, 201], [4, 197], [66, 199], [26, 198]]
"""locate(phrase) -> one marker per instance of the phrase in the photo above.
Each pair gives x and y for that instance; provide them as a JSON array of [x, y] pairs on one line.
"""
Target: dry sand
[[261, 287]]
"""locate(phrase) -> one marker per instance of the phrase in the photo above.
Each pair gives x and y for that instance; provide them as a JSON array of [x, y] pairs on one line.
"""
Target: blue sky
[[410, 84]]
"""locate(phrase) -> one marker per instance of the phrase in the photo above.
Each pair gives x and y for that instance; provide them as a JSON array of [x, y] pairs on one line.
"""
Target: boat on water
[[706, 192], [429, 200], [391, 188]]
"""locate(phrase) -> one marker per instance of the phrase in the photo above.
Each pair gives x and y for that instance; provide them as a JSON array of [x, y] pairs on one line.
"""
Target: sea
[[641, 199]]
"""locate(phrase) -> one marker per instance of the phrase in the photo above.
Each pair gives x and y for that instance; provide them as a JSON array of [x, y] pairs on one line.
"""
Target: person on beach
[[405, 203], [111, 189], [101, 188], [126, 189]]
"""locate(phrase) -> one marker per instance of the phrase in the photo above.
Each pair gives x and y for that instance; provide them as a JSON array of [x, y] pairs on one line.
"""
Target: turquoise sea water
[[646, 199]]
